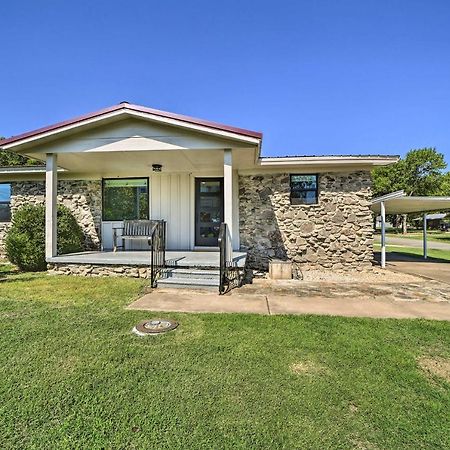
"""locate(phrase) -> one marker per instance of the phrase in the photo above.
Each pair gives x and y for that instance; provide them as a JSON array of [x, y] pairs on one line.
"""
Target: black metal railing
[[157, 243], [230, 273]]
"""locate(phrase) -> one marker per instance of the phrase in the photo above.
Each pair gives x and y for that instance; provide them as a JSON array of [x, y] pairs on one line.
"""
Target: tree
[[387, 179], [13, 159], [423, 171], [419, 173], [444, 188]]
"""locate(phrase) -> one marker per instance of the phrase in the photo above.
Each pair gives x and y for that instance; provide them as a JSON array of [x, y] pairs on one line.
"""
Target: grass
[[72, 375], [432, 235], [412, 251]]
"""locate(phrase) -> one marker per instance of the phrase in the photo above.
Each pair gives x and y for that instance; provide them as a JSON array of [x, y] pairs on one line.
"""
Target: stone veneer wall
[[334, 234], [99, 270], [4, 227], [83, 198]]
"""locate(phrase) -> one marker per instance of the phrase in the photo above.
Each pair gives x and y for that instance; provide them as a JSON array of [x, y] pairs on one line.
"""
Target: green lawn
[[73, 376], [432, 235], [432, 253]]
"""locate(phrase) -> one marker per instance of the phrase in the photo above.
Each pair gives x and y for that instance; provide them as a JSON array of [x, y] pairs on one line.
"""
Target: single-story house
[[129, 162]]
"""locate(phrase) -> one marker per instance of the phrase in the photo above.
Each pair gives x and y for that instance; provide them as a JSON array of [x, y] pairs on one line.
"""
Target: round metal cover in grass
[[154, 326]]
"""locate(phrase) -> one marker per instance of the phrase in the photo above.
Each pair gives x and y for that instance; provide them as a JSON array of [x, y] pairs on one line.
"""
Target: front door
[[208, 210]]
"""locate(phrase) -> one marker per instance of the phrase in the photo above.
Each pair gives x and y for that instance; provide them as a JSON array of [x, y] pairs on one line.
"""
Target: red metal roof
[[137, 108]]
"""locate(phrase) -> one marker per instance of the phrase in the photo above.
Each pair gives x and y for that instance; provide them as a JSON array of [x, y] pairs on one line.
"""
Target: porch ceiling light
[[157, 167]]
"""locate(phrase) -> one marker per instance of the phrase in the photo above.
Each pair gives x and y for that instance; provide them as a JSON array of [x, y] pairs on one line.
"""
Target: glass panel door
[[208, 210]]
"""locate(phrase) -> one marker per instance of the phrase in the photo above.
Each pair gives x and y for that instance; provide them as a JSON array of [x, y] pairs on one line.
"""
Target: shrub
[[25, 241]]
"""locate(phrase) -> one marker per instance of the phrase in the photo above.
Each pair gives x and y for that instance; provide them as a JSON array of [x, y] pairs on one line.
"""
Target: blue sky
[[5, 192], [317, 77]]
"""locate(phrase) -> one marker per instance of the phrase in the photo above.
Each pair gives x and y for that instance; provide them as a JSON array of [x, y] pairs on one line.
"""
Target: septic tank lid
[[154, 326]]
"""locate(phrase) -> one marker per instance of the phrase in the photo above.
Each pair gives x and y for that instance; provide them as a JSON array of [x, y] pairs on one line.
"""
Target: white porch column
[[228, 189], [51, 187], [425, 250], [383, 235]]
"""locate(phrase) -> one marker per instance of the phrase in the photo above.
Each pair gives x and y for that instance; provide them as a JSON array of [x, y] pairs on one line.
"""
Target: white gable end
[[131, 135]]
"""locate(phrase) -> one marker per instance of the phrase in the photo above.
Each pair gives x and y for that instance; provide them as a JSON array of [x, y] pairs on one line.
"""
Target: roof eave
[[25, 169], [381, 160], [127, 108]]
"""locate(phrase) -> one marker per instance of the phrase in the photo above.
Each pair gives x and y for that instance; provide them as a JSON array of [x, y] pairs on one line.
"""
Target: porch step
[[190, 278], [206, 274], [188, 283]]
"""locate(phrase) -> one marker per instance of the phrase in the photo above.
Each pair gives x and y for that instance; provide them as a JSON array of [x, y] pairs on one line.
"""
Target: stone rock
[[329, 207], [338, 217], [306, 227], [267, 215], [264, 195]]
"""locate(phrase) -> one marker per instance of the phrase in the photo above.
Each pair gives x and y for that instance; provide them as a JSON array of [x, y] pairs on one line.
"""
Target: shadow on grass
[[9, 279], [445, 239], [10, 273]]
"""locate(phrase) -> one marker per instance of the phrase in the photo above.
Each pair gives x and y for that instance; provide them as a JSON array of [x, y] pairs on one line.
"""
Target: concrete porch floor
[[142, 258], [427, 299]]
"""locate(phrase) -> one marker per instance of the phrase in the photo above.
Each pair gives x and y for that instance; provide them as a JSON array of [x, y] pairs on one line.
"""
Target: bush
[[25, 241]]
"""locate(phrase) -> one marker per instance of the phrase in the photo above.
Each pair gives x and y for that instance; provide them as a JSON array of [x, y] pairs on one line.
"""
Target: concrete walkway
[[428, 300], [415, 243]]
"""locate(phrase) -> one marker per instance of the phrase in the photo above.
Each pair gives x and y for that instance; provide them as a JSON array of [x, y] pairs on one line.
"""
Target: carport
[[400, 203]]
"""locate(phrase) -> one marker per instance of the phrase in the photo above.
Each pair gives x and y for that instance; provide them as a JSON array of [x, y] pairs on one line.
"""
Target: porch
[[151, 166], [143, 165], [179, 269], [182, 259]]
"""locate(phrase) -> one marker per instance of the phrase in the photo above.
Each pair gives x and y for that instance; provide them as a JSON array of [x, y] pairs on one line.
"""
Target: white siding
[[107, 237], [170, 199]]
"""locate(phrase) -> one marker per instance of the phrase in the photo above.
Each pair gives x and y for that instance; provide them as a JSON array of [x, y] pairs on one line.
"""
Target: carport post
[[383, 235], [425, 256]]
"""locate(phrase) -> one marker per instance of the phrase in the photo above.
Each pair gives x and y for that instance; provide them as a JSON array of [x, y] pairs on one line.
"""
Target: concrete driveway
[[432, 268], [422, 299]]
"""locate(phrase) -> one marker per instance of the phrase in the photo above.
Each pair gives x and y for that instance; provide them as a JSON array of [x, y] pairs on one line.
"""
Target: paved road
[[417, 243]]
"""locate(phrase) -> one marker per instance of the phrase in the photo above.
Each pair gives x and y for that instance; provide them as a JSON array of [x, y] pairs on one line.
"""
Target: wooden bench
[[133, 230]]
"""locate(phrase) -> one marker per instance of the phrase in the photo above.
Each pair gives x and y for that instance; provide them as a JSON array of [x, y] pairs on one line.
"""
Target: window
[[304, 189], [5, 202], [125, 199]]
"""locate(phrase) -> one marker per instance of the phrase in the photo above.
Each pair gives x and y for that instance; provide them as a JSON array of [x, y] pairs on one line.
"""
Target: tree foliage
[[444, 188], [421, 172], [8, 158]]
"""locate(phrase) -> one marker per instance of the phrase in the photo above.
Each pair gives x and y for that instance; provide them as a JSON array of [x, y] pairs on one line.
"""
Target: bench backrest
[[138, 227]]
